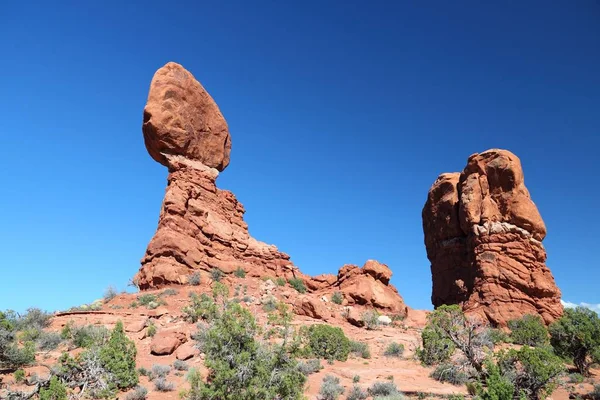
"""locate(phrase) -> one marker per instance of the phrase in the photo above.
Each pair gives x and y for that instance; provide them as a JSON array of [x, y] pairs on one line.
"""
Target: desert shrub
[[360, 349], [337, 298], [144, 372], [151, 330], [109, 294], [498, 387], [239, 366], [88, 335], [239, 272], [356, 379], [6, 321], [436, 347], [356, 393], [297, 284], [576, 378], [169, 292], [528, 330], [394, 350], [269, 305], [576, 336], [19, 375], [532, 370], [160, 371], [498, 336], [194, 278], [56, 390], [12, 356], [310, 366], [202, 307], [379, 388], [328, 342], [216, 274], [448, 328], [180, 365], [162, 385], [371, 319], [280, 281], [395, 396], [139, 393], [330, 388], [150, 300], [49, 340], [34, 318], [450, 373], [117, 356]]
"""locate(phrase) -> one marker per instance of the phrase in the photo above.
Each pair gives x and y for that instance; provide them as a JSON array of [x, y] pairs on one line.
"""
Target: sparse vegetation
[[56, 390], [360, 349], [394, 350], [109, 294], [595, 394], [371, 319], [297, 284], [269, 305], [216, 274], [528, 330], [280, 281], [576, 378], [330, 388], [356, 393], [151, 330], [19, 375], [49, 340], [310, 366], [139, 393], [162, 385], [159, 371], [379, 389], [450, 373], [201, 308], [180, 365], [576, 336], [337, 298], [239, 272], [169, 292], [194, 278]]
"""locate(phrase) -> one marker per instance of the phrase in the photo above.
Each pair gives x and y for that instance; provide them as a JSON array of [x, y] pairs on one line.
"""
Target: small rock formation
[[166, 342], [200, 226], [483, 236]]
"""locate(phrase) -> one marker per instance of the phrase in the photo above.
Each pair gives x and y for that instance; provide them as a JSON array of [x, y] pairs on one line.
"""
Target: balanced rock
[[200, 226], [180, 118], [483, 236]]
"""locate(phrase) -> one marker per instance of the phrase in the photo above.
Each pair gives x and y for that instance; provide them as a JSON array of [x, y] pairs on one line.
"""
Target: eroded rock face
[[180, 118], [483, 237]]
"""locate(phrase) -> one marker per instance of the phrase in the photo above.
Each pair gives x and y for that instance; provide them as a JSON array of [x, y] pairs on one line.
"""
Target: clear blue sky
[[342, 115]]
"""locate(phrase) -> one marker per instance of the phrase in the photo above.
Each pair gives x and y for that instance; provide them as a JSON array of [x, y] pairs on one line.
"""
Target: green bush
[[528, 330], [576, 336], [216, 274], [202, 307], [12, 356], [55, 391], [239, 366], [118, 358], [533, 370], [337, 298], [297, 284], [328, 342], [49, 340], [360, 349], [19, 375], [280, 281], [239, 272], [88, 335], [576, 378], [498, 387], [498, 336], [394, 350], [437, 348], [151, 330], [380, 389], [180, 365], [139, 393], [330, 388]]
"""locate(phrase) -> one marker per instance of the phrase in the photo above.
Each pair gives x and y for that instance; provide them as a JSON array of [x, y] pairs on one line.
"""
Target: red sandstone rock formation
[[200, 227], [483, 237]]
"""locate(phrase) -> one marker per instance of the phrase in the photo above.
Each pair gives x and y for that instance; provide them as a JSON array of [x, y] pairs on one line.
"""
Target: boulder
[[311, 307], [186, 351], [483, 236], [166, 342]]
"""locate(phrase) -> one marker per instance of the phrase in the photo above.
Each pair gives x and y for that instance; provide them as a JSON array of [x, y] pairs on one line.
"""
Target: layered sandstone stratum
[[202, 227], [483, 235]]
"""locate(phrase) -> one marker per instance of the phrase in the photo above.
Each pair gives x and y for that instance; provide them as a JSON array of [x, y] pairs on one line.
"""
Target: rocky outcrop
[[367, 286], [483, 235], [200, 226]]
